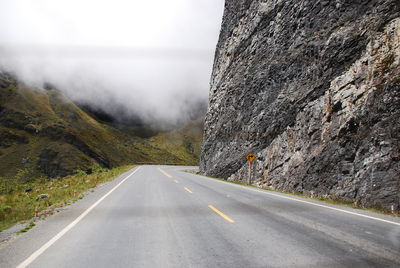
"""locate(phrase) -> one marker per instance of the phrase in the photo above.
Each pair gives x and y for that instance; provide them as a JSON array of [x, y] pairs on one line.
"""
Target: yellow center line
[[165, 173], [176, 181], [221, 214], [188, 190]]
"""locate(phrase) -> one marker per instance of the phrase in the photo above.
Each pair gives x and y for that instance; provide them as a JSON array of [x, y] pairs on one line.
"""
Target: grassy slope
[[42, 133], [19, 205], [184, 143]]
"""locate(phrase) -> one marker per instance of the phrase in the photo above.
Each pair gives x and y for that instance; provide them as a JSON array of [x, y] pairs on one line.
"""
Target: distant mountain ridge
[[43, 133]]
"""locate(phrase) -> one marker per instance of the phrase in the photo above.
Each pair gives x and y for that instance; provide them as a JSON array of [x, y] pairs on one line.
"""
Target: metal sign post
[[250, 158]]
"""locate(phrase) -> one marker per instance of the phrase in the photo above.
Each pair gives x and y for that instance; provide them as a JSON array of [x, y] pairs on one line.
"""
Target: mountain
[[43, 133], [312, 88]]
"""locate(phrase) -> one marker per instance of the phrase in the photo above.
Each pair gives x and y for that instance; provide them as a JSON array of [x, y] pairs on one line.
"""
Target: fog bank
[[152, 58]]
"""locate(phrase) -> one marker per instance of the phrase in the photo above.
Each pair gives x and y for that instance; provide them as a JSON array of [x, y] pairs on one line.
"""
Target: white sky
[[149, 56]]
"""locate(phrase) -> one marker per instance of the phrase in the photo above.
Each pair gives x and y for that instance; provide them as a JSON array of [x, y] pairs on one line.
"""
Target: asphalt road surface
[[160, 216]]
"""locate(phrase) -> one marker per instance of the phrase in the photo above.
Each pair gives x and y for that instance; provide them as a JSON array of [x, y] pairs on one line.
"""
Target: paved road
[[159, 216]]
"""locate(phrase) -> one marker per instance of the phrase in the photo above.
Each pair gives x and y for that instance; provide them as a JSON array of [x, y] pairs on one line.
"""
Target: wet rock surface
[[312, 88]]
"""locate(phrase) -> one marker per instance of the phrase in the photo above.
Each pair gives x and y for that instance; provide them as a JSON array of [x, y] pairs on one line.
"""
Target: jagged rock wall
[[313, 88]]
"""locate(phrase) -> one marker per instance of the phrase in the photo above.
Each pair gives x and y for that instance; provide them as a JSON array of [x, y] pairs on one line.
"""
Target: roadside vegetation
[[19, 201]]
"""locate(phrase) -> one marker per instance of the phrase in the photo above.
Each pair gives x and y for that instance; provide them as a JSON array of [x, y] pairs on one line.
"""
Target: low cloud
[[149, 59]]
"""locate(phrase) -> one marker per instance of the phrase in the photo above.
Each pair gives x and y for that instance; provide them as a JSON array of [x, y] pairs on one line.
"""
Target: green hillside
[[185, 143], [43, 133]]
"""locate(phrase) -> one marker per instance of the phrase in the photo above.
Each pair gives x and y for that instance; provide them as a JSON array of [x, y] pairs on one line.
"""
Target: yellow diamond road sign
[[250, 157]]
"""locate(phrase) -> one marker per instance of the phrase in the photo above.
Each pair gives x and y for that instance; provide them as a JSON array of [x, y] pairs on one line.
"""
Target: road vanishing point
[[163, 216]]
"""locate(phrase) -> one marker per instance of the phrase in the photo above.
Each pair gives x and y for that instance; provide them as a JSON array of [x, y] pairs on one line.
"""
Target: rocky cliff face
[[312, 88]]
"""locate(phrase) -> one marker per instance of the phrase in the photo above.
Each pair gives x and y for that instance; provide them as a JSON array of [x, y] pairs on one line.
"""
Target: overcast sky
[[154, 58]]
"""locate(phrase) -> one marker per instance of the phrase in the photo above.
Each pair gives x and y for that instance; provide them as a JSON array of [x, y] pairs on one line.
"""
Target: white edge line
[[299, 200], [42, 249]]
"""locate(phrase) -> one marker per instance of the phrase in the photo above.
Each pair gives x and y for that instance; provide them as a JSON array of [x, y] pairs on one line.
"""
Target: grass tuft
[[27, 228]]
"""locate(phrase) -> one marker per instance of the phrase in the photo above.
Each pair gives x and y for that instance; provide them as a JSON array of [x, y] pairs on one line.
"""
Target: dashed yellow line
[[188, 190], [221, 214], [165, 173], [176, 181]]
